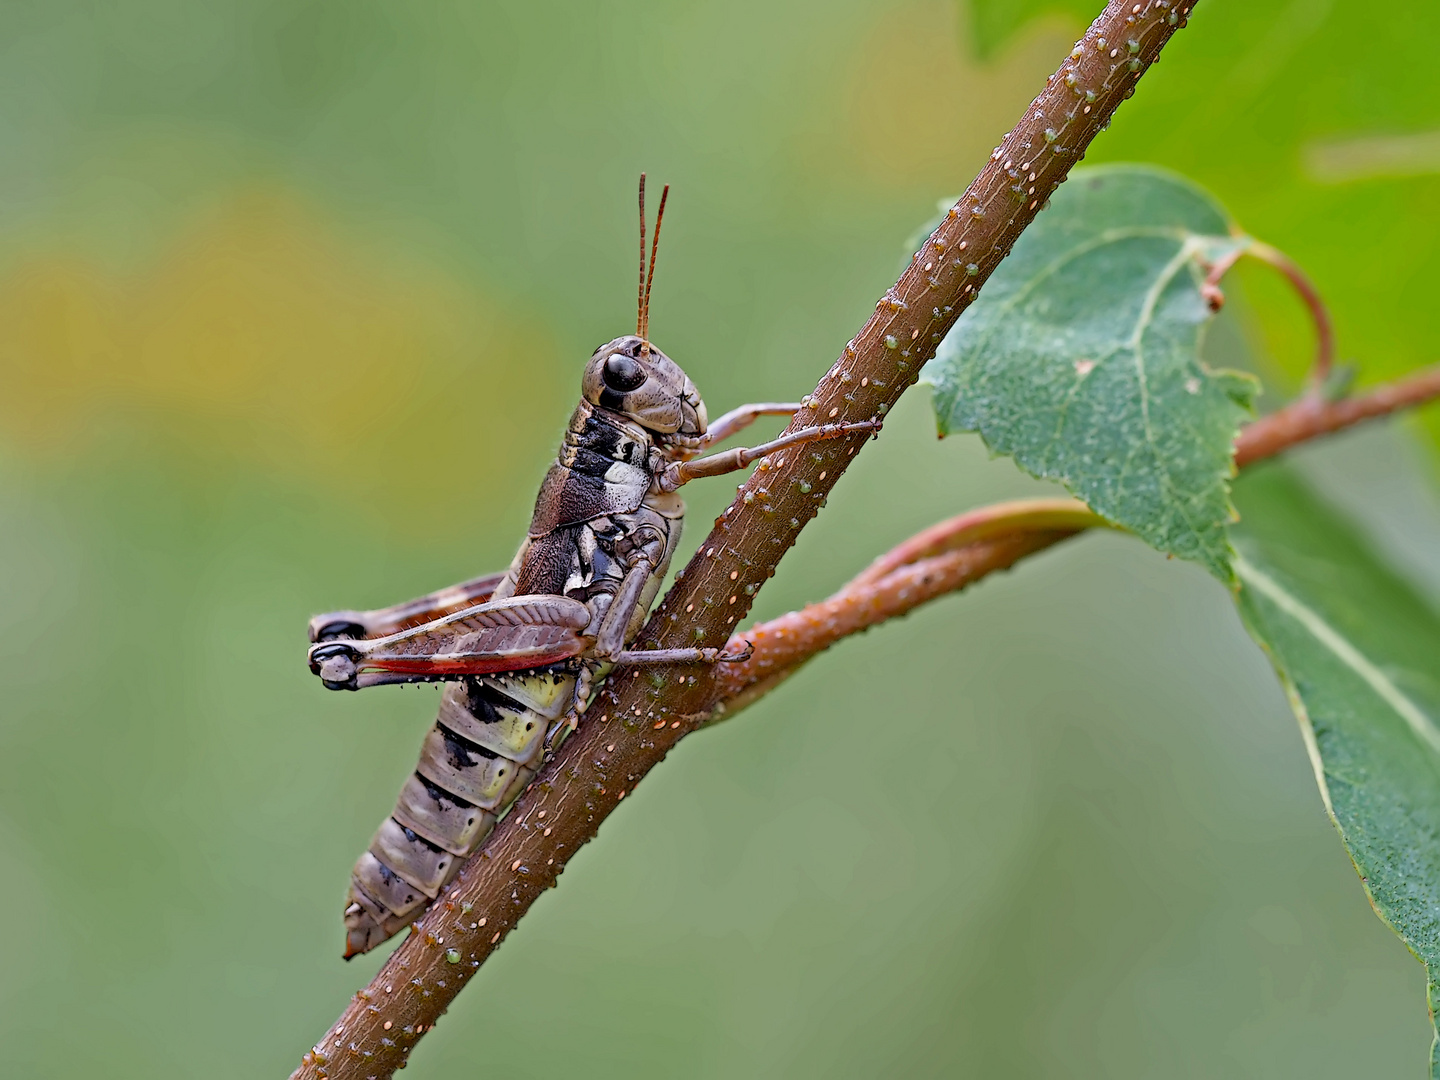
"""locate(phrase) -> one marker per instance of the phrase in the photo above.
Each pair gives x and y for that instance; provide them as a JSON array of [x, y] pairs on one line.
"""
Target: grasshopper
[[521, 651]]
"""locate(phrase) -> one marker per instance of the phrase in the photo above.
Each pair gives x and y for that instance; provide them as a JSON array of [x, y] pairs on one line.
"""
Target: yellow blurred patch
[[920, 111], [262, 335]]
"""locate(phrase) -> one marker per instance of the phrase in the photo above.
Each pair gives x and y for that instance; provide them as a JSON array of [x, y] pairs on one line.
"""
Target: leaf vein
[[1108, 236], [1351, 657]]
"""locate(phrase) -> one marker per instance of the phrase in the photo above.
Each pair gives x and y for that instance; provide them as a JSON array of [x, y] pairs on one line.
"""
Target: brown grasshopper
[[521, 651]]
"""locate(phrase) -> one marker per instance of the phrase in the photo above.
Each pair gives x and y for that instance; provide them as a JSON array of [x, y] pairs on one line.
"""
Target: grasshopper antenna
[[642, 299], [650, 277], [640, 292]]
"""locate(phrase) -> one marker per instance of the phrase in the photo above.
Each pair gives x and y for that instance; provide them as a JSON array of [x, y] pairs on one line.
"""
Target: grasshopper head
[[633, 378]]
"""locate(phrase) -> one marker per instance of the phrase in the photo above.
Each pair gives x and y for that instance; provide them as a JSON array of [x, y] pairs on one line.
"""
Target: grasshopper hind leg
[[358, 625]]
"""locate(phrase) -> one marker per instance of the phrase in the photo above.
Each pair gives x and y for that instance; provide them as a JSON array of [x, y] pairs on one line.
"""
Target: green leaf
[[1358, 650], [1081, 359], [1351, 156], [993, 22]]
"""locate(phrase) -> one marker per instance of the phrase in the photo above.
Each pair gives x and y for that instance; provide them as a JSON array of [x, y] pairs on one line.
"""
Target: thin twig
[[636, 720], [782, 646], [943, 558], [1210, 287], [1319, 313], [1312, 415], [988, 522]]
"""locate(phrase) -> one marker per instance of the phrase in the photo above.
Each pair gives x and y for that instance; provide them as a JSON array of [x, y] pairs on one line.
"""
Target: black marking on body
[[584, 482], [590, 463], [414, 838], [390, 877], [484, 702], [602, 437], [441, 796], [463, 753]]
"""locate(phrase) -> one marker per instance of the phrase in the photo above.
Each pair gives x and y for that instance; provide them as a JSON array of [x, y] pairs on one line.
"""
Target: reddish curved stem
[[1319, 313], [1299, 280]]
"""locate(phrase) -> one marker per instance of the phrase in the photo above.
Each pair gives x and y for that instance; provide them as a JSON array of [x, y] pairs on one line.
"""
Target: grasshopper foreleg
[[678, 473], [738, 419]]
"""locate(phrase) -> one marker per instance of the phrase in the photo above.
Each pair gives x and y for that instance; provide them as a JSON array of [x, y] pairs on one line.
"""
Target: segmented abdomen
[[486, 745]]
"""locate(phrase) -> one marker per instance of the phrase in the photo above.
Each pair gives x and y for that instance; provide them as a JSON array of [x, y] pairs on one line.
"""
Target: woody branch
[[635, 721]]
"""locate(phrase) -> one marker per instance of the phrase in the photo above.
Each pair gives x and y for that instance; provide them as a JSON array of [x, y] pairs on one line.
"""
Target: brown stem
[[637, 719], [1210, 287], [999, 520]]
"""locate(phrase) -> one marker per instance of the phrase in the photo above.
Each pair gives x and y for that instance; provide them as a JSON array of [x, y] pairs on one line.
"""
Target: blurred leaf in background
[[1312, 119], [295, 300]]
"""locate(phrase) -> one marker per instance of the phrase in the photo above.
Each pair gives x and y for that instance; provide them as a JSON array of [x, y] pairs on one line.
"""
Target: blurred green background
[[294, 300]]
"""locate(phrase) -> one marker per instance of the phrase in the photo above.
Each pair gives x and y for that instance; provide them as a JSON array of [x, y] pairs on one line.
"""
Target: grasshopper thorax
[[631, 377]]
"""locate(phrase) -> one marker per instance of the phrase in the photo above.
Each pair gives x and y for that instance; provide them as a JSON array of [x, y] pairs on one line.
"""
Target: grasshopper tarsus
[[747, 650]]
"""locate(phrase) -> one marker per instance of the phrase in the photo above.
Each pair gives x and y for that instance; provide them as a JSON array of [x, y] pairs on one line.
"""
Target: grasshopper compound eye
[[623, 374]]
